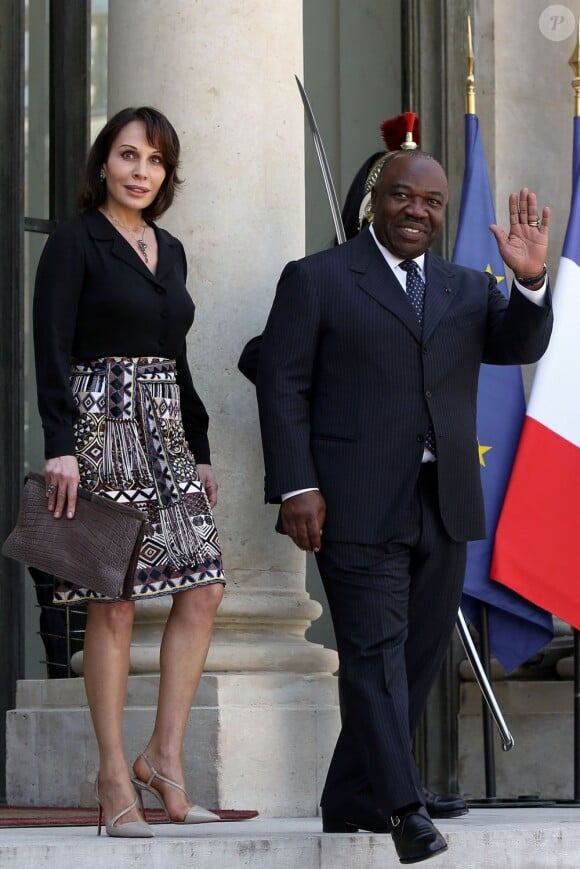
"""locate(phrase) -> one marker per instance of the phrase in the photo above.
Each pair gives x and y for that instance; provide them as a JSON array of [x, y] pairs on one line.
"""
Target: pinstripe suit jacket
[[348, 380]]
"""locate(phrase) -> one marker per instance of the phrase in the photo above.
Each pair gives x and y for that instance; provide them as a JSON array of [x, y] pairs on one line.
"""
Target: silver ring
[[50, 489], [537, 223]]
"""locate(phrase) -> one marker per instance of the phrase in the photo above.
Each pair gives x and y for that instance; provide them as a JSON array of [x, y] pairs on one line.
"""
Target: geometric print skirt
[[131, 447]]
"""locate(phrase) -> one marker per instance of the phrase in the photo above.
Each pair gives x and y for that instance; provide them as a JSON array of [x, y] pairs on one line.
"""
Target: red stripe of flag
[[537, 542]]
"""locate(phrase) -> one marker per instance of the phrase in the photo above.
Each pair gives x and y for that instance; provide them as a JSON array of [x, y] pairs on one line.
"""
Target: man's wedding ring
[[537, 223], [50, 489]]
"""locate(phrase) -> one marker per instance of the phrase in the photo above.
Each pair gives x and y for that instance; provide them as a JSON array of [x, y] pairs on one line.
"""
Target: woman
[[122, 418]]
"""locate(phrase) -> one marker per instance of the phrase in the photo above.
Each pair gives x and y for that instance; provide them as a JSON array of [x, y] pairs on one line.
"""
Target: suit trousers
[[393, 606]]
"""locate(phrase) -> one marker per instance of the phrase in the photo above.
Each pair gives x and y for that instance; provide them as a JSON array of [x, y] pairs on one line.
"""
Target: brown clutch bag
[[98, 549]]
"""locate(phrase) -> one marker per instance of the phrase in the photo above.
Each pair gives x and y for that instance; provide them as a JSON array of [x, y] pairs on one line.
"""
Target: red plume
[[395, 130]]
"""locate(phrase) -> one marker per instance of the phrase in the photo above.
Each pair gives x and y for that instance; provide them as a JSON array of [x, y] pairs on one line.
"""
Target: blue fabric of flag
[[571, 247], [517, 628]]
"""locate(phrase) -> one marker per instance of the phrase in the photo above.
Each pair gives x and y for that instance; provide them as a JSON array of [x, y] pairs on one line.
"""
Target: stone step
[[531, 838]]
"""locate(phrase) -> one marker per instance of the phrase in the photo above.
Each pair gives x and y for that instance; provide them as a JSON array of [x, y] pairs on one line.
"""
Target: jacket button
[[425, 349], [427, 393], [420, 439], [164, 315]]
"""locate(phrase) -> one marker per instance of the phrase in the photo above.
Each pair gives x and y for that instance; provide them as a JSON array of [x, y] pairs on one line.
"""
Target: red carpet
[[44, 816]]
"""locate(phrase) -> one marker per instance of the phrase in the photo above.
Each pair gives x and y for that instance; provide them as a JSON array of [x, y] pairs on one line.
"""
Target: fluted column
[[223, 73], [266, 714]]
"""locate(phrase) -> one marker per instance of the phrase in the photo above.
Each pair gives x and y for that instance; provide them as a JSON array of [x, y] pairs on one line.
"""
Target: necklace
[[139, 241]]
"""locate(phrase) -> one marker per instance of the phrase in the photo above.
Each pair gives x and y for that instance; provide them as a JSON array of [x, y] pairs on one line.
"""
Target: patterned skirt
[[131, 447]]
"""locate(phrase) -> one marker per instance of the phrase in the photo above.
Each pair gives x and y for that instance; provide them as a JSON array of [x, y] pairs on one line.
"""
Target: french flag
[[537, 541]]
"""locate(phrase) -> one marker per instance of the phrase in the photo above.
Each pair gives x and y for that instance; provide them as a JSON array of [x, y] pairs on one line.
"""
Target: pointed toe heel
[[199, 815], [194, 815], [130, 830]]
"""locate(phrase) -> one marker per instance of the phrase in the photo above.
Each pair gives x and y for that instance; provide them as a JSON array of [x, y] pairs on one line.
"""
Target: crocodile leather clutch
[[98, 549]]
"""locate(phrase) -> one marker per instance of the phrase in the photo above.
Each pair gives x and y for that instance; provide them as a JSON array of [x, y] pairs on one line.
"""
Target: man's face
[[409, 202]]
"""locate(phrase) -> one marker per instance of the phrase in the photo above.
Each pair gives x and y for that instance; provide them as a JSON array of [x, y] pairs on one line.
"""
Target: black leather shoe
[[416, 838], [353, 821], [443, 805]]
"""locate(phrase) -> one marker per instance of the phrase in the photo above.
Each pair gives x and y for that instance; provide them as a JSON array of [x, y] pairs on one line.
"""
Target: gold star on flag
[[499, 278], [482, 451]]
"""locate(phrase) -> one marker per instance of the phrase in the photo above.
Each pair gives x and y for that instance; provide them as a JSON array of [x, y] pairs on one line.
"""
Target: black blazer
[[348, 381], [95, 297]]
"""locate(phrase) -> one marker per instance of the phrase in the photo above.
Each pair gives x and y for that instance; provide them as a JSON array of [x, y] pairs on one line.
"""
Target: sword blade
[[324, 167], [483, 682]]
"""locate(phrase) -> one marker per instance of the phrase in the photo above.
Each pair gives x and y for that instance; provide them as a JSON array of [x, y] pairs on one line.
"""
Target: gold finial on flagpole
[[470, 80], [574, 62]]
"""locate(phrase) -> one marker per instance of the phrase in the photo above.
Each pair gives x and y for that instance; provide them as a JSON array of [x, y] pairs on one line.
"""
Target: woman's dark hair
[[160, 135]]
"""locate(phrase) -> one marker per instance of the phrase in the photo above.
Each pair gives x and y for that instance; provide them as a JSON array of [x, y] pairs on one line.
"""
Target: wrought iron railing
[[61, 628]]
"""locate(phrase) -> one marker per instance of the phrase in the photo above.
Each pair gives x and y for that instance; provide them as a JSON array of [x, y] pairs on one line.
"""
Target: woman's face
[[134, 171]]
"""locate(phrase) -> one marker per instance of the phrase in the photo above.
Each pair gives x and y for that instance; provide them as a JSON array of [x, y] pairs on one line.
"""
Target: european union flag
[[517, 628]]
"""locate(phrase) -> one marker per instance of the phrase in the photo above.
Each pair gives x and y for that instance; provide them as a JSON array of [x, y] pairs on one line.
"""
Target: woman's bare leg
[[184, 648], [106, 668]]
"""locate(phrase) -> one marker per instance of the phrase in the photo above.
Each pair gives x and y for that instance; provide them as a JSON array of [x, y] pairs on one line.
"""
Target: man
[[367, 388]]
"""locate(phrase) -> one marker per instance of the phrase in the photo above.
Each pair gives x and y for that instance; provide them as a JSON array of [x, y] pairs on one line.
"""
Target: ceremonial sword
[[324, 167], [460, 624]]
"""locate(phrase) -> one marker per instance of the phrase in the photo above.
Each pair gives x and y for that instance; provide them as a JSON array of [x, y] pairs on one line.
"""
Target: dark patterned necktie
[[415, 288]]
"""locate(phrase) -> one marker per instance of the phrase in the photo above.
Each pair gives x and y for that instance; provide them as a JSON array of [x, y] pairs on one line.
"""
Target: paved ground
[[484, 839]]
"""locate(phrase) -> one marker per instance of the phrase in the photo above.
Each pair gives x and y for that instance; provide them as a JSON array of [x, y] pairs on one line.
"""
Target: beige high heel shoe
[[195, 815], [130, 830]]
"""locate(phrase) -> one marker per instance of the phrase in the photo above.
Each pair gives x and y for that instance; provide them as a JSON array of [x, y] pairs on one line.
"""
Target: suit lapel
[[441, 290], [376, 278]]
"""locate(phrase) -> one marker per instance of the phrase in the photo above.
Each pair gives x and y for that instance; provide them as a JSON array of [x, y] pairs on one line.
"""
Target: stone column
[[223, 73]]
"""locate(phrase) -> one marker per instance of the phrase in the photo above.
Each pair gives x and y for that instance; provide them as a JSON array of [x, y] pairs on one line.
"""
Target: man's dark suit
[[347, 384]]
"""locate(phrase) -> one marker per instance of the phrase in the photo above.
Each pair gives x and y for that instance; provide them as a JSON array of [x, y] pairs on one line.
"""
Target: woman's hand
[[208, 478], [61, 476]]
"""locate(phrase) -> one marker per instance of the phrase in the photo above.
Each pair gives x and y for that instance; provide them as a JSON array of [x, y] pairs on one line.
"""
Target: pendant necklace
[[140, 242]]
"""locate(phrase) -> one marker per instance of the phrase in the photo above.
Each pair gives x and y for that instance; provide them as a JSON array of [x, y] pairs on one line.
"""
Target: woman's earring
[[102, 175]]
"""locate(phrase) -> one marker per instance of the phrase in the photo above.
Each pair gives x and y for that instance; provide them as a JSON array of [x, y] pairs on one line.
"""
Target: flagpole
[[470, 80], [574, 62], [488, 743]]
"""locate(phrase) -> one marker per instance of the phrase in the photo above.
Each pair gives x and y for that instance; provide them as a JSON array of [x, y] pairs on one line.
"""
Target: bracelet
[[527, 282]]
